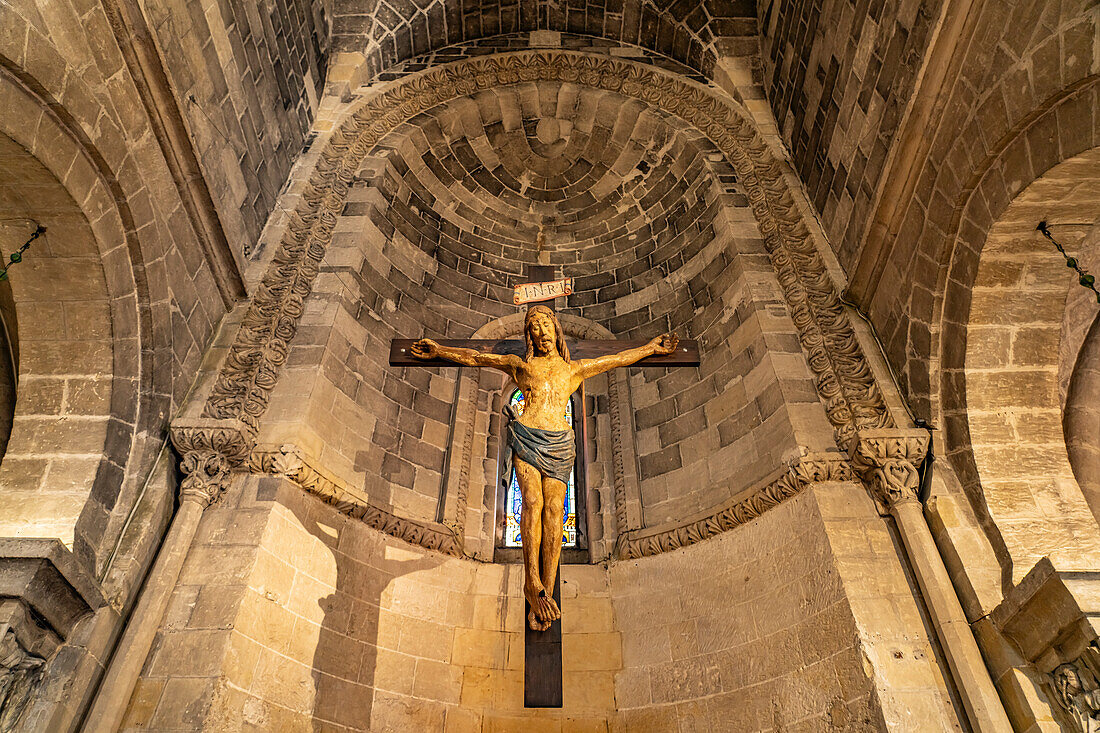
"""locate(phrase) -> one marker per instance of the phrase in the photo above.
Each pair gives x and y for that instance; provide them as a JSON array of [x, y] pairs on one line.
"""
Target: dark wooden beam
[[687, 353], [542, 681]]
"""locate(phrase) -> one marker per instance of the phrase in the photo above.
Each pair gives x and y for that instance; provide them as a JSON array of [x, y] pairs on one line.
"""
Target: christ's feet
[[543, 609], [535, 624]]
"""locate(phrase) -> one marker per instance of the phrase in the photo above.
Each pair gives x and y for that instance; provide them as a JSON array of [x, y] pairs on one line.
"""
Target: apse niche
[[648, 218]]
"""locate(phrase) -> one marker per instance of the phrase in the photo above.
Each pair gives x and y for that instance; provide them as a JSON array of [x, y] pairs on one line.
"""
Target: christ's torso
[[546, 382]]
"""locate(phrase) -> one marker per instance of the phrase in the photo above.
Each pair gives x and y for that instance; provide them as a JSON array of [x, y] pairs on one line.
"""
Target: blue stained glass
[[514, 501]]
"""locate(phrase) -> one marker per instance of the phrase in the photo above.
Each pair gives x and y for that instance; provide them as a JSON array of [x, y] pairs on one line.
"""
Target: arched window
[[511, 500]]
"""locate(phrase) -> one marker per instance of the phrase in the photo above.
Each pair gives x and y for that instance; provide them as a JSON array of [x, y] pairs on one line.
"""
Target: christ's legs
[[530, 530], [553, 506]]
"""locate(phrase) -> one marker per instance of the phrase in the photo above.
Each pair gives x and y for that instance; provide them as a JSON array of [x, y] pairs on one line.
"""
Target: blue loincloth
[[552, 452]]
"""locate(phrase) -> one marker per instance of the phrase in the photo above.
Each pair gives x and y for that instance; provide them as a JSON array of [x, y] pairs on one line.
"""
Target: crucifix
[[548, 368]]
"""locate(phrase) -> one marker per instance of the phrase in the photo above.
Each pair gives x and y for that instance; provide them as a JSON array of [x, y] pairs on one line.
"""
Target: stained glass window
[[514, 505]]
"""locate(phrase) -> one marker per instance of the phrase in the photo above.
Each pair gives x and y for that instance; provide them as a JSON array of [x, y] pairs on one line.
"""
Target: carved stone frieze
[[20, 672], [209, 450], [808, 471], [44, 593], [291, 463], [1049, 617], [25, 648]]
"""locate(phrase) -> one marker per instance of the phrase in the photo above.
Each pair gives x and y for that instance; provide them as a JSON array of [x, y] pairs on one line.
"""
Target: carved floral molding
[[843, 378], [292, 463], [796, 478], [209, 449]]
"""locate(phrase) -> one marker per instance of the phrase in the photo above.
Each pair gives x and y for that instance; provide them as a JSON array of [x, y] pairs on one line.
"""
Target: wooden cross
[[542, 678]]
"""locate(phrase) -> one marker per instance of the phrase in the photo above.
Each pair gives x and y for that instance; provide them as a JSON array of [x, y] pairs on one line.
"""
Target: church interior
[[871, 503]]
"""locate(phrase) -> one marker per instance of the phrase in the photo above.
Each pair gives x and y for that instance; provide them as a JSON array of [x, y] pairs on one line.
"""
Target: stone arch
[[1079, 368], [1024, 100], [95, 212], [1009, 401], [922, 301], [1081, 419]]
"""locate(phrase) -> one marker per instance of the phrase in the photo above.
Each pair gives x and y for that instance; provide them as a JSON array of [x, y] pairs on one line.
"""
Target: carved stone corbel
[[1049, 616], [209, 450], [888, 461], [1077, 691], [43, 594]]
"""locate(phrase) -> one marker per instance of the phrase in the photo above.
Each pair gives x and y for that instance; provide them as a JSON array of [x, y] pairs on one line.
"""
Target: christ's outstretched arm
[[664, 344], [428, 349]]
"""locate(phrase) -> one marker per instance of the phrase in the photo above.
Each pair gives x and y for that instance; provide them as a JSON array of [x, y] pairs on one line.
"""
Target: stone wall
[[247, 79], [839, 75], [751, 628], [289, 615]]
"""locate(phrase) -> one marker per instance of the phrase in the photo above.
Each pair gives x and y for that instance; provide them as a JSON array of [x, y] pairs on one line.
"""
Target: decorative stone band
[[888, 461], [843, 379], [209, 450], [790, 481], [290, 462]]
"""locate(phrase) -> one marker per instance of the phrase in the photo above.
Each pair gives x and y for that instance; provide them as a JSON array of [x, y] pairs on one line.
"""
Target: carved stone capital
[[210, 449], [1076, 690], [888, 461]]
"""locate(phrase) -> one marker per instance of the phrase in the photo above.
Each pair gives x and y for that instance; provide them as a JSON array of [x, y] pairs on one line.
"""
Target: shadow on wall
[[346, 657]]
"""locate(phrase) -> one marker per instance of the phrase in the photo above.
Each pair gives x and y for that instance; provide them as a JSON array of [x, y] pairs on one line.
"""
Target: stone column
[[887, 461], [209, 450]]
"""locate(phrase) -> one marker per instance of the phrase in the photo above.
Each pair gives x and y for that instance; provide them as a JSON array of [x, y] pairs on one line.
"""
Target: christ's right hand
[[425, 349]]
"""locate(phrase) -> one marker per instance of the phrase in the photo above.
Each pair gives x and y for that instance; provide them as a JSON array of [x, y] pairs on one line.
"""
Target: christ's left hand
[[665, 344]]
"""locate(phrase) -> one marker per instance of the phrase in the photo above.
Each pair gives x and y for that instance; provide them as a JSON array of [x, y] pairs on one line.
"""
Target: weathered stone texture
[[839, 75], [310, 618], [692, 34], [318, 620], [247, 79], [762, 637], [897, 639]]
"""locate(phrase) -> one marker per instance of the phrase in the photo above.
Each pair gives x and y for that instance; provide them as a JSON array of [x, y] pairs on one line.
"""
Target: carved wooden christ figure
[[540, 441]]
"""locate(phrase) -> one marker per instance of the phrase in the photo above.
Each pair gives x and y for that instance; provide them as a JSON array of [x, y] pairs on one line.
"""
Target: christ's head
[[543, 334]]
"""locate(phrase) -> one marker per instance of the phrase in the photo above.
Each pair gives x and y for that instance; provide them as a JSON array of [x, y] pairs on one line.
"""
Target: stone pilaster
[[888, 461]]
